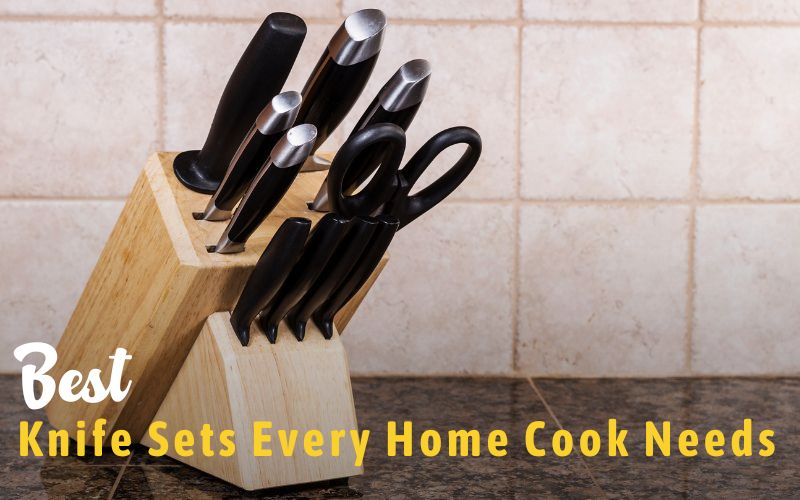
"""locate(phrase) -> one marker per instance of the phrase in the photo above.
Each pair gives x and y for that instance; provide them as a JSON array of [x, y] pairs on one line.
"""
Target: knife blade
[[259, 75], [344, 259], [324, 239], [367, 262], [270, 272], [276, 118], [268, 187], [397, 102], [342, 72]]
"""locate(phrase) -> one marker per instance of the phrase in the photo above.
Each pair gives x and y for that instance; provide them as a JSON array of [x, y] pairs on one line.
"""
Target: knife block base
[[291, 385], [152, 290]]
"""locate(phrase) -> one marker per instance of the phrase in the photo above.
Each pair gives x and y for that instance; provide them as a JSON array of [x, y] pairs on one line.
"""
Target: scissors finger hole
[[441, 164]]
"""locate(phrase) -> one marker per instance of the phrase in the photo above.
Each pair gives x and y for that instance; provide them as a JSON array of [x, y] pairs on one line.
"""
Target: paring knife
[[341, 263], [268, 187], [324, 239], [276, 118], [397, 102], [367, 262], [269, 274], [258, 76], [341, 73]]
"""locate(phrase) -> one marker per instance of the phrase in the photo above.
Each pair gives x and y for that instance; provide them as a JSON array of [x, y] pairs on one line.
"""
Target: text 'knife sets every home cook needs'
[[263, 137]]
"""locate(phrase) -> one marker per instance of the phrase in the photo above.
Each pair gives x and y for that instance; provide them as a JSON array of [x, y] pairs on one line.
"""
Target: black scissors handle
[[382, 186], [388, 191], [407, 208]]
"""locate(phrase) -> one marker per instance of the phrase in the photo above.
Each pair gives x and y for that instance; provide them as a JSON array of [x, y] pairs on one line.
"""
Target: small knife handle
[[244, 168], [369, 260], [269, 274], [259, 75], [323, 241], [344, 259], [269, 186], [273, 121]]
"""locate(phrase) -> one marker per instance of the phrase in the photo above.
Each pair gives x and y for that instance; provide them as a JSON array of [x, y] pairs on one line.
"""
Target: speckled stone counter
[[483, 404]]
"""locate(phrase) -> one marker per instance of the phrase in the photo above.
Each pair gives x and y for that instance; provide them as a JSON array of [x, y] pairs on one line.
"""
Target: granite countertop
[[483, 404]]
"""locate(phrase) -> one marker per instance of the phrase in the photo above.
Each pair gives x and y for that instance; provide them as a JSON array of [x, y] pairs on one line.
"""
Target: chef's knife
[[259, 75], [342, 72], [269, 274], [323, 317], [322, 243], [276, 118], [344, 259], [397, 102], [268, 187]]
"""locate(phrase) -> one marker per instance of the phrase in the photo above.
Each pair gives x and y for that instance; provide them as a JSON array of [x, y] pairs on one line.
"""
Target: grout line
[[56, 199], [119, 477], [642, 202], [691, 282], [515, 277], [419, 21], [552, 414], [160, 77]]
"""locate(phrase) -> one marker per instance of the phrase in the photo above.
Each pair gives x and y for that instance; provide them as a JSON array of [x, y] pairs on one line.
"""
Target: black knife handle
[[253, 155], [260, 73], [269, 274], [263, 196], [369, 260], [384, 183], [408, 207], [344, 259], [324, 239], [331, 92]]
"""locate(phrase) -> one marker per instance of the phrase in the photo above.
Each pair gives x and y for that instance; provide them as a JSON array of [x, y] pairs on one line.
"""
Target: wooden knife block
[[152, 290], [294, 385]]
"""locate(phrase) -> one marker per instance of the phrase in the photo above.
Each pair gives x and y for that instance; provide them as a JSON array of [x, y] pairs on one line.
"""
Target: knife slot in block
[[152, 290], [293, 385]]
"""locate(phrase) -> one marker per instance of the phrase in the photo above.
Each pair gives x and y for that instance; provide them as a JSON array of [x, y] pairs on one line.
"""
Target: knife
[[259, 75], [268, 187], [324, 239], [342, 72], [323, 317], [397, 102], [269, 274], [269, 127], [341, 263]]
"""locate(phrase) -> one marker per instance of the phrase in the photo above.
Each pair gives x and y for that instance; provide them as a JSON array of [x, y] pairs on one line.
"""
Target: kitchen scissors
[[388, 192]]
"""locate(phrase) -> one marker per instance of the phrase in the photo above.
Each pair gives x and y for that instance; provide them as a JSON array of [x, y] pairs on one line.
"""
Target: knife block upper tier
[[152, 289]]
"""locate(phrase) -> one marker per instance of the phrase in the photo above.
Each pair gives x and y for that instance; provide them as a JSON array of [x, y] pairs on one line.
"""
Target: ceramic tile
[[747, 310], [79, 107], [750, 105], [462, 91], [440, 9], [251, 8], [79, 7], [751, 10], [611, 10], [702, 405], [607, 112], [198, 68], [602, 290], [56, 244], [443, 303]]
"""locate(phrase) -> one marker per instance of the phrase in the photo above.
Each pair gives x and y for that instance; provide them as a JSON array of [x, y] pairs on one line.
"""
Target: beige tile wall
[[636, 210]]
